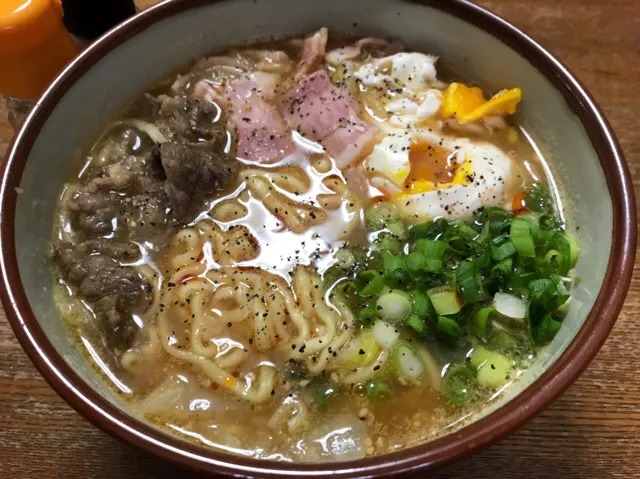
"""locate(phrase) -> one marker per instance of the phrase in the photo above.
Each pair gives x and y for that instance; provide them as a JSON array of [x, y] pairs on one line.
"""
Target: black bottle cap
[[88, 19]]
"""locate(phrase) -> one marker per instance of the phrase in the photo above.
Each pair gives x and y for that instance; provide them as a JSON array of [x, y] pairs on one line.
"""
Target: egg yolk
[[434, 167], [468, 105]]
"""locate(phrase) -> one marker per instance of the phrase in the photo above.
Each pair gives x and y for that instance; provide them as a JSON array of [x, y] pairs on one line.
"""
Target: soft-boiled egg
[[456, 178], [448, 177], [426, 173]]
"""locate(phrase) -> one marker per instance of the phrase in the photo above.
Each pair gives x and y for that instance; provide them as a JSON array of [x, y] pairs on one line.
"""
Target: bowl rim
[[479, 434]]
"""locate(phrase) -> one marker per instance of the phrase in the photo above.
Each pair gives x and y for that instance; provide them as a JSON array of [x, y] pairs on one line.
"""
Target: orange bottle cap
[[34, 46]]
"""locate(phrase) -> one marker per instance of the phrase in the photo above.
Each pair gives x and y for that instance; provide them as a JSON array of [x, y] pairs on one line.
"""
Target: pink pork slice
[[324, 112], [263, 136], [349, 142]]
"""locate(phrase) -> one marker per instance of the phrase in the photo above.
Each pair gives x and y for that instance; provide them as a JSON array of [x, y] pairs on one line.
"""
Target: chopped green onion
[[510, 305], [479, 356], [488, 279], [378, 215], [377, 389], [501, 339], [459, 383], [533, 225], [470, 282], [322, 393], [416, 323], [547, 329], [445, 300], [479, 324], [562, 310], [537, 198], [561, 243], [429, 230], [406, 361], [550, 293], [431, 248], [465, 230], [347, 285], [484, 259], [386, 241], [415, 261], [394, 306], [552, 261], [484, 236], [493, 213], [544, 237], [433, 265], [521, 237], [391, 263], [541, 288], [493, 368], [449, 327], [344, 258], [399, 276], [503, 268], [422, 305], [520, 282], [505, 250], [397, 229], [574, 251], [497, 218], [368, 314], [385, 334], [361, 350], [373, 283], [421, 230]]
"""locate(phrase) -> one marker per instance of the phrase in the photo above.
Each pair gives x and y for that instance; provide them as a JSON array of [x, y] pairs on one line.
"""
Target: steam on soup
[[306, 253]]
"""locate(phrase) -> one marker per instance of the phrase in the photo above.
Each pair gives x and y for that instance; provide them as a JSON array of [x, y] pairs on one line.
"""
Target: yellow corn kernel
[[512, 135], [229, 382]]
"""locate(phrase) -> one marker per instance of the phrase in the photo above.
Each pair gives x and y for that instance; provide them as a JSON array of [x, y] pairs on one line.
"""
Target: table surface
[[591, 431]]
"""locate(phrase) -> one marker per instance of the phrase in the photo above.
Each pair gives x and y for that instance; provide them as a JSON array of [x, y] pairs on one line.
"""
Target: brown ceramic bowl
[[474, 42]]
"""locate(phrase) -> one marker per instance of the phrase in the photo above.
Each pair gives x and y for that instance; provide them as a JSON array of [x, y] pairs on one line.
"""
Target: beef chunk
[[95, 213], [136, 190], [194, 161], [190, 120], [137, 195], [125, 199], [115, 291], [192, 172]]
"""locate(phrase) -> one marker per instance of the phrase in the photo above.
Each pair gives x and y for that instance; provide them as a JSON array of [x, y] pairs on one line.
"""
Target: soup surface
[[312, 250]]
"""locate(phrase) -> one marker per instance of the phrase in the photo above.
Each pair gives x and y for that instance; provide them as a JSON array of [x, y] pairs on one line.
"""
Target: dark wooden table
[[592, 431]]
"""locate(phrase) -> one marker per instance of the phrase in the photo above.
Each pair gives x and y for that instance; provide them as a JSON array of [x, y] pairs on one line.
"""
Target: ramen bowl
[[565, 121]]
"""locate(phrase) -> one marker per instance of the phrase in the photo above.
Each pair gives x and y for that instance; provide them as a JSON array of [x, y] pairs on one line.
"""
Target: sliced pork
[[262, 134], [350, 142], [376, 47], [324, 112], [264, 106], [313, 50]]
